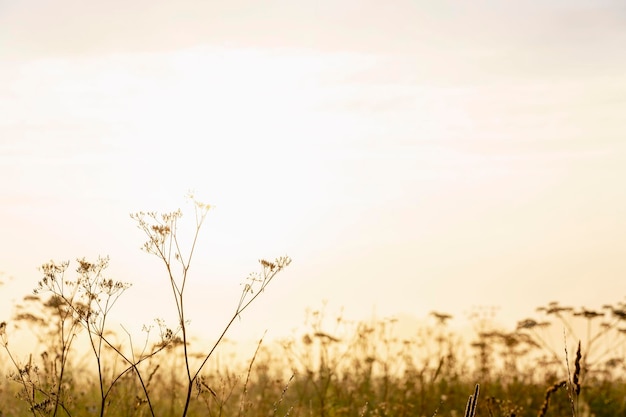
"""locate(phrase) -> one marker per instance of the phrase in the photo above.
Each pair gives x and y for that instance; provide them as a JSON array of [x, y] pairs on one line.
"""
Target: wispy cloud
[[69, 27]]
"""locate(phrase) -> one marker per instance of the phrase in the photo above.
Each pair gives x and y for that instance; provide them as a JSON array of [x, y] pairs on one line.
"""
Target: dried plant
[[574, 381], [470, 409], [85, 303], [163, 242], [602, 333], [546, 401]]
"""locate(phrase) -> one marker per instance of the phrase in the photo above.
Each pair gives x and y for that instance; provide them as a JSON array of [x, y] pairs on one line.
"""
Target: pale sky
[[409, 156]]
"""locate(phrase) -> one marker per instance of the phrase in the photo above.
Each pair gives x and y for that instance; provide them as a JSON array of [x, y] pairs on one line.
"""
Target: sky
[[409, 156]]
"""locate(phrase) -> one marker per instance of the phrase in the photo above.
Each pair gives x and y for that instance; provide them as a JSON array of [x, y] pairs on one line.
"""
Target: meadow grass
[[357, 369], [345, 368]]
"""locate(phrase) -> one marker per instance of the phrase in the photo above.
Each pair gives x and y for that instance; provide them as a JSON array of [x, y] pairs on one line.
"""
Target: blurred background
[[408, 156]]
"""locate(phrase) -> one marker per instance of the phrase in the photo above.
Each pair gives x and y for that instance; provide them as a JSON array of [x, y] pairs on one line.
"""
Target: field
[[334, 367]]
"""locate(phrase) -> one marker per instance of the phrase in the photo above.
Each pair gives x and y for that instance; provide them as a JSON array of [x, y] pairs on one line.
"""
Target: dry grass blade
[[282, 397], [470, 409], [574, 381], [546, 401], [576, 378]]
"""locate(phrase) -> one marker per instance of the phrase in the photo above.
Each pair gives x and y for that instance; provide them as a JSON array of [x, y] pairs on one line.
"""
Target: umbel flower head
[[3, 333]]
